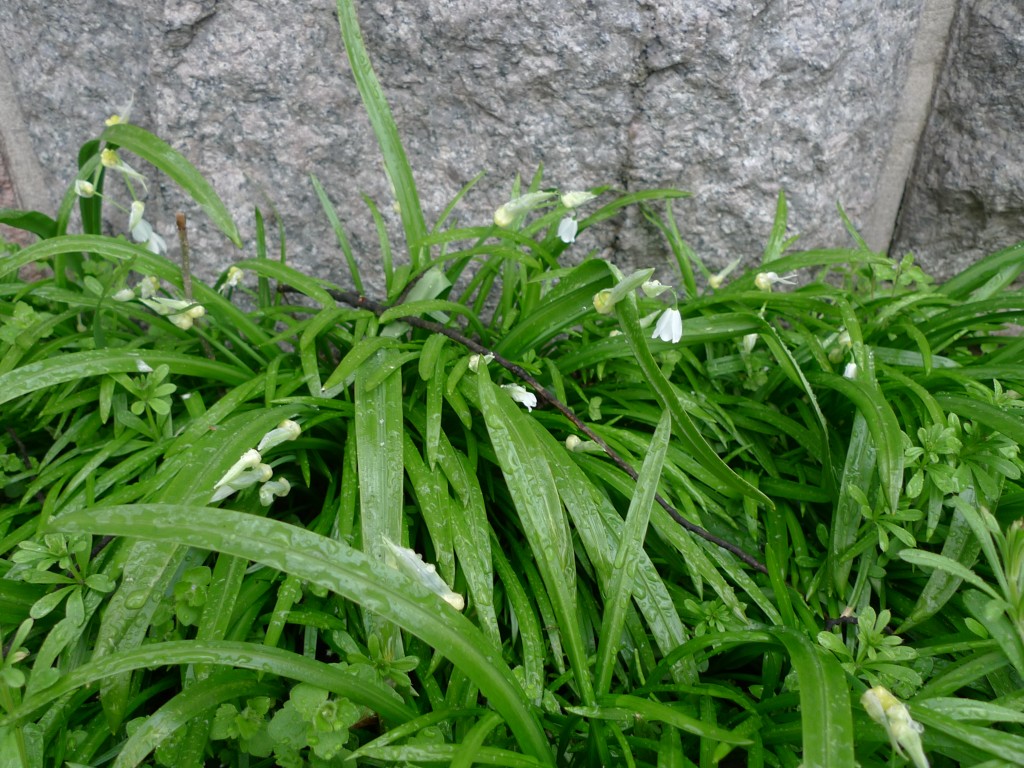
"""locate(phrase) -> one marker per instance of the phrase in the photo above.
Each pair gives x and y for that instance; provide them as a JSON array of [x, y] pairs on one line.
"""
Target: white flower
[[748, 343], [110, 159], [765, 280], [891, 713], [521, 395], [475, 360], [135, 217], [142, 366], [123, 116], [604, 302], [850, 371], [142, 232], [567, 229], [669, 326], [283, 432], [245, 472], [274, 488], [576, 199], [654, 288], [507, 214], [715, 281], [233, 279], [411, 564], [84, 188], [572, 442], [148, 286], [125, 294], [181, 313]]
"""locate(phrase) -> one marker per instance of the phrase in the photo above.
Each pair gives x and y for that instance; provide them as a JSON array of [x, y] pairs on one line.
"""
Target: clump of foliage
[[515, 512]]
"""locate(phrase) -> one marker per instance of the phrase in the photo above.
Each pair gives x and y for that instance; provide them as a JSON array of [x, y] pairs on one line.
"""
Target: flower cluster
[[669, 326], [140, 229], [182, 313], [250, 469], [511, 214]]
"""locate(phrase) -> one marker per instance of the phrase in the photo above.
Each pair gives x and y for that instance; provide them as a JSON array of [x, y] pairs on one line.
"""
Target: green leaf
[[192, 702], [378, 425], [692, 440], [329, 564], [30, 221], [395, 162], [535, 496], [825, 714], [631, 544]]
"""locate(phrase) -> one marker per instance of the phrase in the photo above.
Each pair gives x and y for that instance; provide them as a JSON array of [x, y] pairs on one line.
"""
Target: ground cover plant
[[525, 509]]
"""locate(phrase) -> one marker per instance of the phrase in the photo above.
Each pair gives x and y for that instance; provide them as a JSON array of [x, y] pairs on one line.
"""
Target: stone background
[[854, 101]]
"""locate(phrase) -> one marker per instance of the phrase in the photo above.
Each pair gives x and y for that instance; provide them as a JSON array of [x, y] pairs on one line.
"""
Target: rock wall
[[728, 99]]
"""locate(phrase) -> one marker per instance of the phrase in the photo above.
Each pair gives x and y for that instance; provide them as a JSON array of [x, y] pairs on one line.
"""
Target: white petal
[[521, 395], [567, 229], [669, 326]]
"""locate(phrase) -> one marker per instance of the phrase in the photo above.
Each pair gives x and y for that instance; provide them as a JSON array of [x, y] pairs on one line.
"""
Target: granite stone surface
[[728, 99], [966, 198]]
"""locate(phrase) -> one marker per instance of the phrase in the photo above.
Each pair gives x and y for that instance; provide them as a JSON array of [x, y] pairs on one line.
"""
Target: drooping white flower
[[182, 313], [507, 214], [567, 229], [274, 489], [716, 281], [654, 288], [125, 294], [135, 217], [233, 279], [123, 115], [142, 232], [892, 714], [283, 432], [604, 302], [574, 199], [412, 565], [669, 326], [84, 188], [245, 472], [261, 473], [142, 366], [765, 280], [148, 286], [110, 159], [475, 360], [521, 395], [850, 371], [748, 343]]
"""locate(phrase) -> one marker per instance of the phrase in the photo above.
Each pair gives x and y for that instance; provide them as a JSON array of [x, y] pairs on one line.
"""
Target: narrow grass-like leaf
[[222, 653], [535, 496], [339, 233], [685, 429], [395, 162], [630, 543], [615, 707], [882, 425], [79, 365], [993, 743], [826, 718], [378, 424]]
